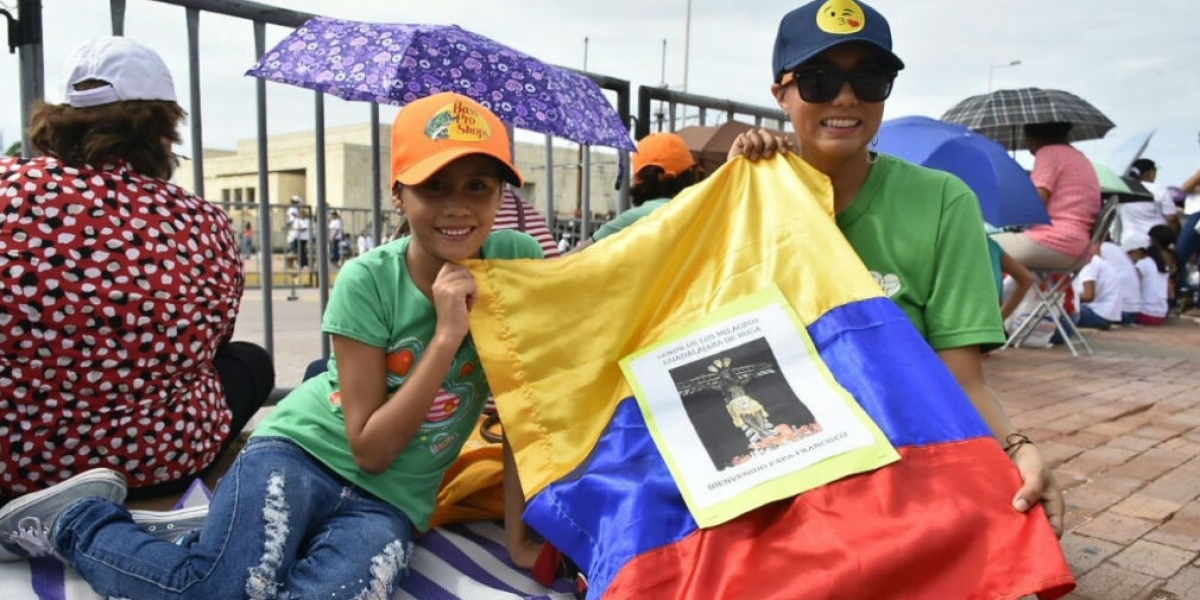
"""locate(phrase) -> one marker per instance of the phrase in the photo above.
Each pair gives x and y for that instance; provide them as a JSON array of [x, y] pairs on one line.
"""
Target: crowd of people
[[125, 381]]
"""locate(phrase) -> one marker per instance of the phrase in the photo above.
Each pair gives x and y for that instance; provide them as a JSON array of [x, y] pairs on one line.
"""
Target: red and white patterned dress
[[116, 291]]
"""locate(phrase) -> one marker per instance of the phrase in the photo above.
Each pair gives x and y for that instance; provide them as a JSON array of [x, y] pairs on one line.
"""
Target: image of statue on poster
[[740, 404]]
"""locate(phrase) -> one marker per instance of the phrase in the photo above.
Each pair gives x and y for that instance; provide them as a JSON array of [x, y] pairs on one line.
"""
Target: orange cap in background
[[434, 131], [667, 151]]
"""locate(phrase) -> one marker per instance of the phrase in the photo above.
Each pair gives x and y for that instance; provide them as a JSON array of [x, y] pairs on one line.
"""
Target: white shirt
[[1139, 217], [302, 226], [1129, 286], [335, 229], [1154, 288], [1191, 204], [293, 213], [1107, 300]]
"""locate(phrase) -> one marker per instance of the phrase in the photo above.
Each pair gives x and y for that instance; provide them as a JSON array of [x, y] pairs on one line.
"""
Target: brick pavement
[[1122, 430]]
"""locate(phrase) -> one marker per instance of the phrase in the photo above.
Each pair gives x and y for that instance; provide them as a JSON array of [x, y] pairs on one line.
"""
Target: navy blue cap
[[822, 24]]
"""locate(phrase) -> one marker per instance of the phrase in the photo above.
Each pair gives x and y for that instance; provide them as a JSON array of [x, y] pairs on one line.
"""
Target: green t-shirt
[[627, 218], [920, 233], [376, 302]]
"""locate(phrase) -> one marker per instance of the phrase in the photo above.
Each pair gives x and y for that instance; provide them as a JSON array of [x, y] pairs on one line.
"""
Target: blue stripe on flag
[[624, 494]]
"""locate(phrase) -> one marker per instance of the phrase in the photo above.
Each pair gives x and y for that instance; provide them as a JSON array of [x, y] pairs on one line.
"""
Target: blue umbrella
[[1006, 194]]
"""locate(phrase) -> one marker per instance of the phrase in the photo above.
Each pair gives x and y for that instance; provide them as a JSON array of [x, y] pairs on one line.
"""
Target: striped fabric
[[515, 210], [464, 561], [1000, 115]]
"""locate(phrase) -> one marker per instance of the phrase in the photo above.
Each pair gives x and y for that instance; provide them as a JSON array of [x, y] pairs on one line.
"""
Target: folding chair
[[1051, 286]]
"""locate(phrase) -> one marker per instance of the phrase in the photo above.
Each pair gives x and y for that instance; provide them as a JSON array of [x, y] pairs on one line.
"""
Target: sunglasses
[[824, 84]]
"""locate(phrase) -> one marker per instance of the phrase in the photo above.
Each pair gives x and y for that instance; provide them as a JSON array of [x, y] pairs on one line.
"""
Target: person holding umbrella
[[1067, 182], [918, 230]]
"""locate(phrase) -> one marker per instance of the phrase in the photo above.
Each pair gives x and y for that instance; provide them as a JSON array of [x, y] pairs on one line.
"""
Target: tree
[[14, 149]]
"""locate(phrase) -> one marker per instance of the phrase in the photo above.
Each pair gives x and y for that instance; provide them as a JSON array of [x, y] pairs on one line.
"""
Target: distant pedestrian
[[247, 241], [336, 235]]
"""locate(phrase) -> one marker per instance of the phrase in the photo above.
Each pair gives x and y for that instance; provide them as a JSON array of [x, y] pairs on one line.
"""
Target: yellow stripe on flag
[[550, 333]]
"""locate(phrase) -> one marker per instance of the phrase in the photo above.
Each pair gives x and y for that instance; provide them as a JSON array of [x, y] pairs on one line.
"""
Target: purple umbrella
[[398, 63]]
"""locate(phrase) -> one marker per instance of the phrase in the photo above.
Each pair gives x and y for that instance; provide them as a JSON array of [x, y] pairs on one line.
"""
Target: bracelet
[[1014, 441]]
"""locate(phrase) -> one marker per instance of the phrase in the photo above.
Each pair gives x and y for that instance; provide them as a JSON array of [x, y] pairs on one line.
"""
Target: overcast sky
[[1138, 62]]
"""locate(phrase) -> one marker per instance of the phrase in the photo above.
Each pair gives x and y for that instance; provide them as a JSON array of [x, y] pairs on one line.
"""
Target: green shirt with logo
[[376, 302], [920, 233]]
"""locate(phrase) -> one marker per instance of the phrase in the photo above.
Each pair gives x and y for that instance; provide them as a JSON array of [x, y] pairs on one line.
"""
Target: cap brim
[[426, 167], [893, 60]]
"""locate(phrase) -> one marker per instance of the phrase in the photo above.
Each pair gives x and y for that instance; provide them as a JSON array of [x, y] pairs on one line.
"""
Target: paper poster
[[745, 412]]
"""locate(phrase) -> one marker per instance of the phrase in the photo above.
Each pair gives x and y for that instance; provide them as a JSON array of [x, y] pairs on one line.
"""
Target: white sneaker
[[26, 523], [171, 525]]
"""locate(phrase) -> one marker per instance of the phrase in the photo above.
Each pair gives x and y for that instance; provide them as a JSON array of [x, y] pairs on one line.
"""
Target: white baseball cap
[[131, 70]]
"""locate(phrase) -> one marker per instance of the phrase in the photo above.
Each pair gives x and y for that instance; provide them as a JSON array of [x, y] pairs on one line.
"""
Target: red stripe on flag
[[938, 524]]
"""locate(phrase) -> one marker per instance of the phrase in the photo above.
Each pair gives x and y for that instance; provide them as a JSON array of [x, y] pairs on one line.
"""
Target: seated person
[[1067, 183], [1099, 293], [662, 167], [1152, 274], [1129, 288], [1139, 214], [123, 289]]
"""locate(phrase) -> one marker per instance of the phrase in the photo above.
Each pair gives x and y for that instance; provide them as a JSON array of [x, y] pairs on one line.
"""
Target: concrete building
[[231, 176]]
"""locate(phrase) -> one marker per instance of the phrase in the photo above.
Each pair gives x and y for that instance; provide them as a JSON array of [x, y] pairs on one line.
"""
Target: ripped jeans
[[280, 525]]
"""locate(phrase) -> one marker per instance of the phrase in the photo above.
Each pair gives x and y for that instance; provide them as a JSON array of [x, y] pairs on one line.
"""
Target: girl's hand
[[453, 298], [760, 143]]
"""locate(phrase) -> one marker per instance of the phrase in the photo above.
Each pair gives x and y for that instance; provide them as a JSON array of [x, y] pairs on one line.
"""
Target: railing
[[25, 34], [772, 117]]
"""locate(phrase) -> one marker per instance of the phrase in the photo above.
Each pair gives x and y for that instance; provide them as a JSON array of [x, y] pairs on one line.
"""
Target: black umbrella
[[1000, 115]]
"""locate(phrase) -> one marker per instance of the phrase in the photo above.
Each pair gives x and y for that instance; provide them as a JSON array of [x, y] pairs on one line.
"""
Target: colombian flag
[[938, 524]]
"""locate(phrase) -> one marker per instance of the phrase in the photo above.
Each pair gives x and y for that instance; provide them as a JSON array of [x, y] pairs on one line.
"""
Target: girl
[[324, 499], [1151, 267], [920, 227]]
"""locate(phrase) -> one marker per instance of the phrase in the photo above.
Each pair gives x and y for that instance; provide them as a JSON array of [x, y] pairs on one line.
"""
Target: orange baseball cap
[[434, 131], [667, 151]]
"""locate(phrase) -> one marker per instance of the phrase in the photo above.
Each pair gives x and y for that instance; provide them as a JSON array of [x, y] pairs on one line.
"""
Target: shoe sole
[[13, 509], [171, 523]]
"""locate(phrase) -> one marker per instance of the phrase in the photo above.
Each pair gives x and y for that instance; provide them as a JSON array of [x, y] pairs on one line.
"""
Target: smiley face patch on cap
[[841, 17], [458, 121]]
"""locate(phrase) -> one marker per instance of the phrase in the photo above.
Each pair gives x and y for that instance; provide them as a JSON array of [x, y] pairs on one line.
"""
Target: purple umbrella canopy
[[392, 63]]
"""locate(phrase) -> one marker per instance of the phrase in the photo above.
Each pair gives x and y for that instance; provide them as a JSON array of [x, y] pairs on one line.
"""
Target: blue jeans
[[1187, 247], [1089, 319], [280, 525]]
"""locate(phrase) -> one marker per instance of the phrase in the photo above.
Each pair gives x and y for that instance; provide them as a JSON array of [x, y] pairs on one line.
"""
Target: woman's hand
[[1038, 485], [760, 143], [453, 297]]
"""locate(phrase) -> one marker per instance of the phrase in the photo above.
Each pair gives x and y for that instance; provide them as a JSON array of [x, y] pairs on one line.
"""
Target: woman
[[1067, 183], [832, 81], [116, 351]]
